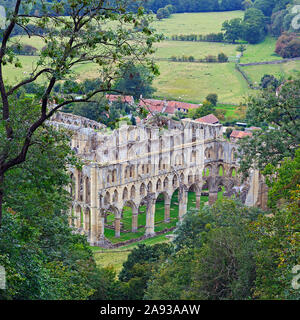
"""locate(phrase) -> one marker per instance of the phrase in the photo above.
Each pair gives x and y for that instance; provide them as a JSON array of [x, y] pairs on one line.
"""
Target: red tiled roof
[[115, 97], [210, 118], [239, 134], [166, 106]]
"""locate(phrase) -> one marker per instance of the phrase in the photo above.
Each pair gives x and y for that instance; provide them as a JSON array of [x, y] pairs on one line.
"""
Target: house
[[163, 106], [252, 129], [236, 135], [115, 97], [210, 118]]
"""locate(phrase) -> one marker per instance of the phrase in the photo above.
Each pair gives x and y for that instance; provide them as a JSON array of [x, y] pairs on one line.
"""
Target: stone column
[[150, 216], [117, 227], [76, 187], [70, 218], [198, 199], [213, 196], [167, 210], [93, 238], [182, 204], [134, 219], [84, 190], [78, 220]]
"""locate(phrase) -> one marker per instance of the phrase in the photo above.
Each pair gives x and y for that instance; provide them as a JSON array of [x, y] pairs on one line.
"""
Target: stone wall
[[133, 165]]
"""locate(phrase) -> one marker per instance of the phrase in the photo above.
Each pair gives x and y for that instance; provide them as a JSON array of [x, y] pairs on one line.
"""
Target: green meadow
[[291, 68], [186, 81], [194, 23], [193, 81]]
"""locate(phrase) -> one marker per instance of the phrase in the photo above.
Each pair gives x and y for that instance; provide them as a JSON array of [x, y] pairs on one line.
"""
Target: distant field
[[200, 23], [198, 50], [189, 81], [284, 69], [193, 81], [263, 51]]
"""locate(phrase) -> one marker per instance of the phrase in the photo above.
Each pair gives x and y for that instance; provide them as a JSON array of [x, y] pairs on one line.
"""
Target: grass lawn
[[194, 81], [198, 50], [255, 73], [263, 51], [194, 23]]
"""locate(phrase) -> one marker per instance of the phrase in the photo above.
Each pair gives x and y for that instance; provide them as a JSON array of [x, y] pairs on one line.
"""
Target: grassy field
[[116, 257], [193, 81], [263, 51], [198, 50], [195, 23], [255, 73], [186, 81]]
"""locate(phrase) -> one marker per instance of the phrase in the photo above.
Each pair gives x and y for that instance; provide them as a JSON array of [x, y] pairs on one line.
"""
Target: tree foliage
[[278, 114], [83, 37]]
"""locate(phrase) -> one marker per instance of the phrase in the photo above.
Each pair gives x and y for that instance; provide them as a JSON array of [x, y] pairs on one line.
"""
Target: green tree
[[206, 108], [78, 41], [277, 110], [253, 26], [139, 266], [232, 29], [135, 80], [222, 57], [241, 48], [213, 257], [269, 81], [43, 257], [212, 98]]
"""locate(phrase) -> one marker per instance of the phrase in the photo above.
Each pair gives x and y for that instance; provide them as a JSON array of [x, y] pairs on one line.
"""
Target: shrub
[[222, 57]]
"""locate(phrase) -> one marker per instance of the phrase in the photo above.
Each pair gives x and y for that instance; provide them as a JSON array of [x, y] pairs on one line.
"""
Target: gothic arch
[[142, 190], [132, 192], [115, 196], [125, 194]]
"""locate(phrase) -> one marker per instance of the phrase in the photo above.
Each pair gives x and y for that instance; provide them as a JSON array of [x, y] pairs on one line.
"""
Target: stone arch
[[182, 178], [149, 187], [125, 194], [72, 186], [220, 152], [78, 216], [208, 153], [115, 196], [107, 198], [190, 178], [175, 182], [164, 197], [114, 176], [132, 173], [142, 190], [80, 186], [108, 176], [233, 155], [232, 172], [87, 191], [207, 171], [221, 170], [166, 183], [193, 156], [132, 192], [158, 185]]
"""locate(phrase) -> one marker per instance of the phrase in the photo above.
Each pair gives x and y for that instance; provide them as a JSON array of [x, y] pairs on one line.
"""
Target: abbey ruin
[[133, 165]]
